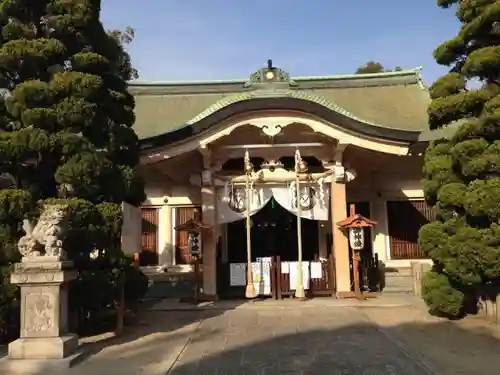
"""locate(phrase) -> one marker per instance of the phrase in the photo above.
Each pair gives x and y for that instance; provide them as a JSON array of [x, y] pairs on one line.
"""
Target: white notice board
[[237, 274], [316, 270], [261, 272]]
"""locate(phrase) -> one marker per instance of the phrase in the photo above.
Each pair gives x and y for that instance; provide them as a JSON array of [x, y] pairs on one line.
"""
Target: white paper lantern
[[357, 238]]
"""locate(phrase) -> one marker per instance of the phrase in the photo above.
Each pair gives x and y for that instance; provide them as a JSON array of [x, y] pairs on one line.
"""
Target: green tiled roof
[[395, 100]]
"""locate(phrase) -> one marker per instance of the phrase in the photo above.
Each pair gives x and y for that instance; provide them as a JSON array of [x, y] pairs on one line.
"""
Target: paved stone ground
[[304, 341], [289, 339], [466, 347], [397, 300]]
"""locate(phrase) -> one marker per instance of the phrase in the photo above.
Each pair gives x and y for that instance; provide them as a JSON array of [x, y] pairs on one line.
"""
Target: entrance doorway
[[274, 241], [273, 233]]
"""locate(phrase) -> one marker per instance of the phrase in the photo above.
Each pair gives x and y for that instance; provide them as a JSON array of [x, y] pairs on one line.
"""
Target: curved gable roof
[[277, 103], [393, 104]]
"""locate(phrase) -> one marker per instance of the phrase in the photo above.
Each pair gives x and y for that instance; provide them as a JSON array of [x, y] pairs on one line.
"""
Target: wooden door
[[404, 219], [149, 253], [183, 214]]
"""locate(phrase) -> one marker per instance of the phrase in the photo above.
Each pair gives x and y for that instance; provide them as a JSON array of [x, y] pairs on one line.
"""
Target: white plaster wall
[[184, 195], [156, 190]]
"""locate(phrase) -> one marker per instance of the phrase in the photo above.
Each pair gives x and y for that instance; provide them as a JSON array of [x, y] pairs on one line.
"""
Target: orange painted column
[[209, 242], [338, 210], [340, 240]]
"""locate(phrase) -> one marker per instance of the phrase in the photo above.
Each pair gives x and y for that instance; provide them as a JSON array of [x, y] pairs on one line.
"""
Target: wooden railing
[[280, 280], [322, 286], [369, 274]]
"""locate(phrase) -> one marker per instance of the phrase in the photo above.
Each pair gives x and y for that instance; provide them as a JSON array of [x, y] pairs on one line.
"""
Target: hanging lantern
[[306, 196], [237, 200], [357, 238]]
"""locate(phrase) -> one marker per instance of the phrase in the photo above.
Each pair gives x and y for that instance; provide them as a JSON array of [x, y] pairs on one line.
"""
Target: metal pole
[[250, 288], [299, 290]]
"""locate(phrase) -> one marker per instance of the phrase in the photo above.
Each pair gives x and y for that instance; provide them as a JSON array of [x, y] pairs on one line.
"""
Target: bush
[[93, 243], [441, 297], [462, 172], [8, 294]]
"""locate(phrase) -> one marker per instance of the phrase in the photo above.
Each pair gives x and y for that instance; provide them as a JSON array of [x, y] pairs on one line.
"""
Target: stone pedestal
[[418, 270], [44, 338]]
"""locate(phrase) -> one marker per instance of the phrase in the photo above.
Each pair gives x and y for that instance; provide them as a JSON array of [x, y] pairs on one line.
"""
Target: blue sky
[[224, 39]]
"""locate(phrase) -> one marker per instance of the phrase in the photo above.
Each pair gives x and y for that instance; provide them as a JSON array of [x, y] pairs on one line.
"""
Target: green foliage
[[66, 133], [441, 296], [462, 174], [375, 67]]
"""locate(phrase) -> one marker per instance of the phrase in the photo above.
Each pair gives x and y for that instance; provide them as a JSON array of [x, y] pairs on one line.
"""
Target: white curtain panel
[[236, 210], [314, 206]]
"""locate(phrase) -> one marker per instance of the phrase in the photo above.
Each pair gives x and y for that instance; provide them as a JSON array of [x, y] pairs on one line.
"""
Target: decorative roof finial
[[270, 75]]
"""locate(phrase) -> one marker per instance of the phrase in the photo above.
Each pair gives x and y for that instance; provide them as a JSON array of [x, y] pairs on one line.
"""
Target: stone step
[[390, 290], [169, 284], [180, 268], [399, 280], [169, 289], [397, 271]]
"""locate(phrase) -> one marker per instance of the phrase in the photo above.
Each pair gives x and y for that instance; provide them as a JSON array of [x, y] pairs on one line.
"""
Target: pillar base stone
[[43, 347], [45, 342], [42, 355]]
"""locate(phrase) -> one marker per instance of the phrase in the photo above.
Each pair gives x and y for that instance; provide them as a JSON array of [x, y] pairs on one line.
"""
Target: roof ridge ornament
[[270, 75]]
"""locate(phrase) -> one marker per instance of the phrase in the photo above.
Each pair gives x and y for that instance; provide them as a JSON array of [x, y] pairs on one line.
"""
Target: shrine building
[[226, 153]]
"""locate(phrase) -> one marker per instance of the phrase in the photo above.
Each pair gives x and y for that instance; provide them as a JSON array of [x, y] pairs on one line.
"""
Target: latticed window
[[149, 254], [404, 219]]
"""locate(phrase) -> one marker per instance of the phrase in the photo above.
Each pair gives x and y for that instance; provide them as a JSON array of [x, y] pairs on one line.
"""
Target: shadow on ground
[[357, 349], [155, 331], [161, 326], [345, 341]]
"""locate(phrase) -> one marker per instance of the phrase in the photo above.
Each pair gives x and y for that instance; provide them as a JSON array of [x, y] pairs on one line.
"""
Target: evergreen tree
[[375, 67], [462, 175], [66, 128]]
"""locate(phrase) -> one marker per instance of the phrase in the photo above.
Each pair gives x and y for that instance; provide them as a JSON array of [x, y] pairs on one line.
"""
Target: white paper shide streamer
[[226, 198], [293, 193]]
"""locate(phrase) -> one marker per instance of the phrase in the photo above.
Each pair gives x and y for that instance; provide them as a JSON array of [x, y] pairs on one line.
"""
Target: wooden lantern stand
[[195, 226], [356, 221]]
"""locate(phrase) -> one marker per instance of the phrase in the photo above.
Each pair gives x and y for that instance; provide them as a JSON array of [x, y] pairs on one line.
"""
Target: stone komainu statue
[[45, 238]]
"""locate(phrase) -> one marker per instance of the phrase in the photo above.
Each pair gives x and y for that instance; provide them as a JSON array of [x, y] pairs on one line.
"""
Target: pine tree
[[462, 174], [66, 126], [375, 67]]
